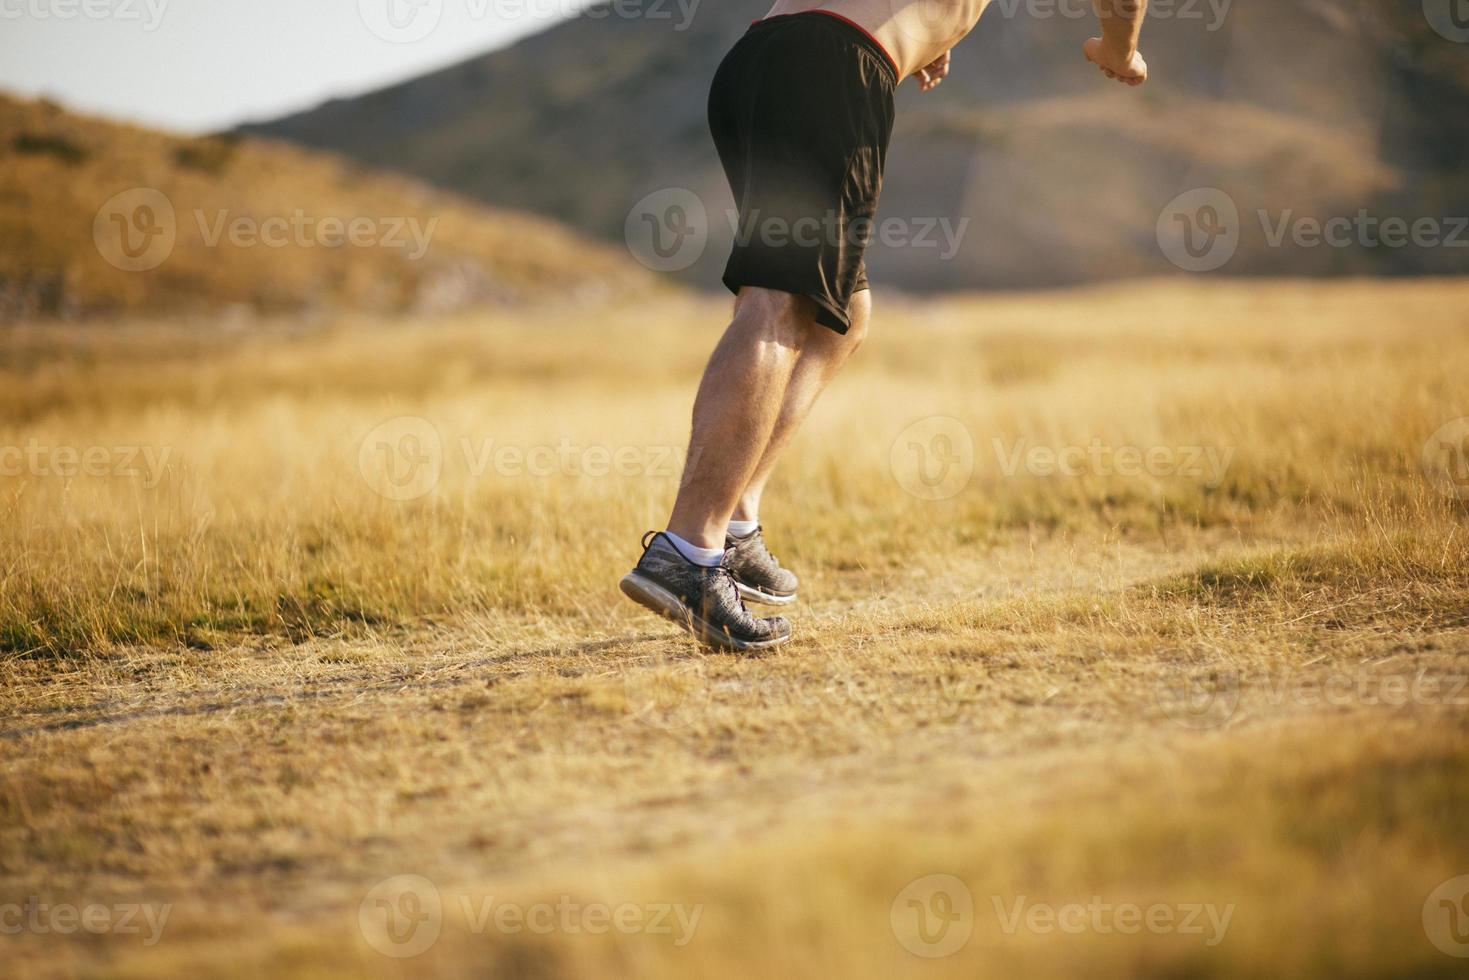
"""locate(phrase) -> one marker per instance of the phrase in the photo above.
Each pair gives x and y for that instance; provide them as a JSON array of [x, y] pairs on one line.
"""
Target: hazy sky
[[203, 64]]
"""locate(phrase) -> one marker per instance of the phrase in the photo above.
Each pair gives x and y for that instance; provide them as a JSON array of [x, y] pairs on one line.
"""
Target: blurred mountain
[[1294, 108], [103, 218]]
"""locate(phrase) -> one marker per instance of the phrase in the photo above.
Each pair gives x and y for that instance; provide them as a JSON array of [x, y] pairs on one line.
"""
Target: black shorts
[[801, 110]]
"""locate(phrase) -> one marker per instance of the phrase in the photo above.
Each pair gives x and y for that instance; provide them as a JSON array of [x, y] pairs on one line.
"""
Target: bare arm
[[1115, 52]]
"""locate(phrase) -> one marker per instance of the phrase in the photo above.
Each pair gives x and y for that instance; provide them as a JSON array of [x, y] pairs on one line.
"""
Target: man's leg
[[741, 399], [823, 354]]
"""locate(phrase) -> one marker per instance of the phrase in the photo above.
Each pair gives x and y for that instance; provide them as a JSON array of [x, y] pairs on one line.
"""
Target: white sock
[[708, 557], [743, 529]]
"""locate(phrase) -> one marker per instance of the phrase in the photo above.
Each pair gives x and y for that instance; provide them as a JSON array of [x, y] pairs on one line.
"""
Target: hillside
[[1311, 108], [248, 223]]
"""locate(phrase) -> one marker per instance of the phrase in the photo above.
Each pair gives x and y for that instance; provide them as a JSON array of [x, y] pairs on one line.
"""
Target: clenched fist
[[1124, 66], [933, 73]]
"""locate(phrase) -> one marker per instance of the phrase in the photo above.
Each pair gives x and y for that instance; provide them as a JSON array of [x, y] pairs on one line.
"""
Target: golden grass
[[260, 687]]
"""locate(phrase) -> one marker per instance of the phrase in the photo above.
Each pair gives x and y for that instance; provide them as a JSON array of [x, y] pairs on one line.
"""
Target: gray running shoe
[[757, 573], [702, 600]]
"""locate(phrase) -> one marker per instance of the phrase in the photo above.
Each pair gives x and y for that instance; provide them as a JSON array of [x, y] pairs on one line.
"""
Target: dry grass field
[[1134, 642]]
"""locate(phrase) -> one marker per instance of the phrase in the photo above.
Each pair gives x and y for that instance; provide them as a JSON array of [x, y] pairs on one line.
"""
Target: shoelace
[[732, 586], [720, 571], [760, 540], [759, 536]]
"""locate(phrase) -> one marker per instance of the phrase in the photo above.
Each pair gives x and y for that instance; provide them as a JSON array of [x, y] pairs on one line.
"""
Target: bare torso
[[914, 32]]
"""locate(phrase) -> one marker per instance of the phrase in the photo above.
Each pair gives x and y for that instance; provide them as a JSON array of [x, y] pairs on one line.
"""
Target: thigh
[[775, 304]]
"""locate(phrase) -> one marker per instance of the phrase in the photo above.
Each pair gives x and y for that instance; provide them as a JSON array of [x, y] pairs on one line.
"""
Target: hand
[[1126, 67], [931, 75]]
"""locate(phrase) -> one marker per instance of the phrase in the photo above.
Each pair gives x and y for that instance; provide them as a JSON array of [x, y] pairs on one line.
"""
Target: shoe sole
[[751, 594], [655, 598]]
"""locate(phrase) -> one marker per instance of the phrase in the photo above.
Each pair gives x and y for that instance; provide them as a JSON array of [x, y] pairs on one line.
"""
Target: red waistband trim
[[850, 23]]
